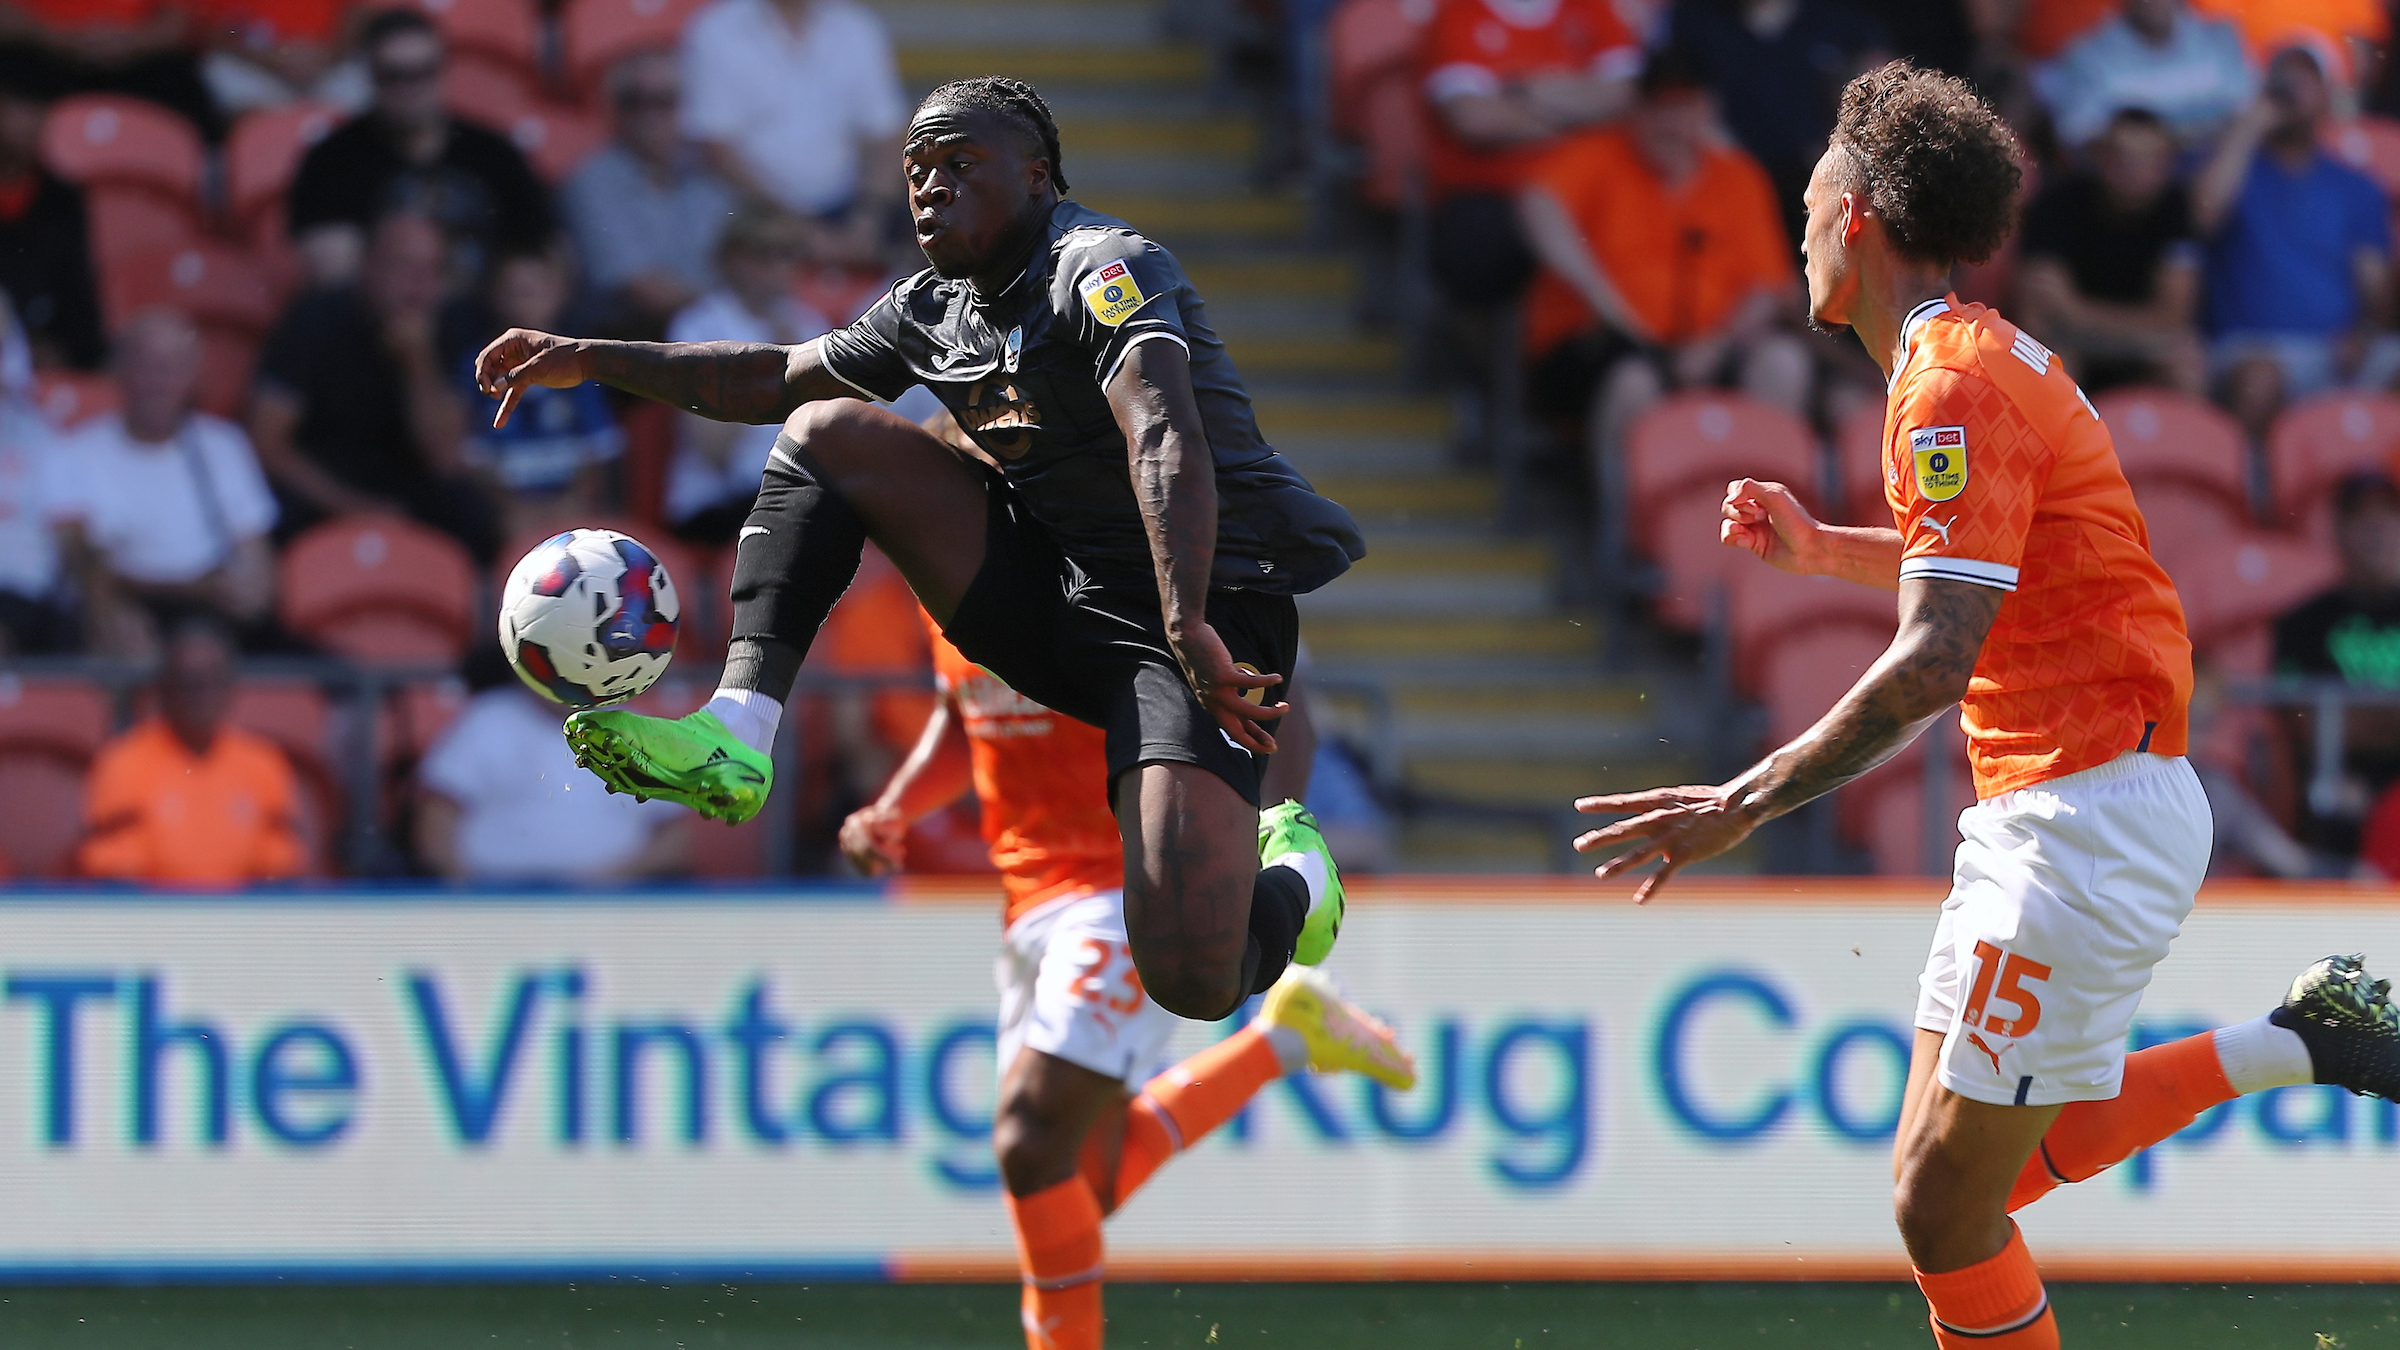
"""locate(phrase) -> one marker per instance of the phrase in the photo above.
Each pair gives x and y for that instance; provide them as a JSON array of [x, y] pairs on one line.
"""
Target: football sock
[[750, 715], [1059, 1251], [1997, 1304], [2258, 1055], [1278, 908], [795, 558], [2166, 1087], [1179, 1107]]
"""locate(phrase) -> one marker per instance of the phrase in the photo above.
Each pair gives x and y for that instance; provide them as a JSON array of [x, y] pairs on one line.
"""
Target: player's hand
[[1768, 520], [522, 358], [875, 840], [1226, 690], [1674, 827]]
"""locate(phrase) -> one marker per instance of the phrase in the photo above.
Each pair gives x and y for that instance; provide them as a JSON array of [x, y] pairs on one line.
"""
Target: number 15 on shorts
[[2004, 975]]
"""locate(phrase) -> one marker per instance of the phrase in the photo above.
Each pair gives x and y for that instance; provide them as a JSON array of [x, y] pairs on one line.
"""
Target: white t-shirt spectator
[[37, 491], [526, 812], [694, 484], [169, 513], [794, 106]]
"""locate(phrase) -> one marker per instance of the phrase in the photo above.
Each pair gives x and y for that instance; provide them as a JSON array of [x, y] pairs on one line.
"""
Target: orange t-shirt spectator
[[183, 799]]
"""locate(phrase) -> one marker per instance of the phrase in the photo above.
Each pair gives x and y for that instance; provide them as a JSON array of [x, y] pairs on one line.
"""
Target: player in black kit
[[1131, 563]]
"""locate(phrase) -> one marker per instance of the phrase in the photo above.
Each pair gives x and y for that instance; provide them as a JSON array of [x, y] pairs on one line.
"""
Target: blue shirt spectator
[[2283, 258], [2194, 73], [545, 467]]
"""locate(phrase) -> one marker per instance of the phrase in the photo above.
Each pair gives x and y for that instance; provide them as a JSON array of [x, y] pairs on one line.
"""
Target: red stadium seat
[[2167, 437], [508, 30], [380, 589], [596, 34], [105, 138], [1692, 560], [1378, 100], [49, 731], [1858, 453], [1767, 605], [69, 397], [2371, 145], [2314, 444], [552, 136], [2240, 579], [1884, 811], [216, 285], [228, 359], [263, 152], [126, 222], [298, 718], [1693, 440], [1801, 670]]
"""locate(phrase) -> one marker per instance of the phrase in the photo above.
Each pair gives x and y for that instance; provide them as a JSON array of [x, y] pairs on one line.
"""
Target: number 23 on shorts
[[1091, 987], [2004, 974]]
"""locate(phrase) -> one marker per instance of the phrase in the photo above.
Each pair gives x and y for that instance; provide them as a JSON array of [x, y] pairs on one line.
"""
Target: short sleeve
[[866, 355], [712, 103], [1453, 64], [2371, 220], [1122, 289], [455, 766], [1963, 473], [242, 491]]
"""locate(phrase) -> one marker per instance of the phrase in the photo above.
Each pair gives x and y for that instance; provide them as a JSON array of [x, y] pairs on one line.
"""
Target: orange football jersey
[[1043, 780], [1999, 473]]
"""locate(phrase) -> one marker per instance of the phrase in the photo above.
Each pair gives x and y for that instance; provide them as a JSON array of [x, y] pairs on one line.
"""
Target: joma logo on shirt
[[1000, 418]]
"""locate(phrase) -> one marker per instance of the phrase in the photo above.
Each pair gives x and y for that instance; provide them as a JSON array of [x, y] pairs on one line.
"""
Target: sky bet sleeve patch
[[1941, 461], [1112, 295]]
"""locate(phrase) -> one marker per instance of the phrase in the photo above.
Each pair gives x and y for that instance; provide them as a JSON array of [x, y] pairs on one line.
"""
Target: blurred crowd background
[[1516, 279]]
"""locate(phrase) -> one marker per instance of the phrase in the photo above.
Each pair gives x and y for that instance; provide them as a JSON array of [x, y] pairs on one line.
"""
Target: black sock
[[1278, 907], [787, 577]]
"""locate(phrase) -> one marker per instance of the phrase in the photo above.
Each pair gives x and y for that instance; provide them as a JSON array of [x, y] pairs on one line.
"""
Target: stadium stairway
[[1444, 657]]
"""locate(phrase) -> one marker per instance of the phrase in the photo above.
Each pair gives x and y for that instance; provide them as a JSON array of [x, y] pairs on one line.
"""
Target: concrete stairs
[[1445, 656]]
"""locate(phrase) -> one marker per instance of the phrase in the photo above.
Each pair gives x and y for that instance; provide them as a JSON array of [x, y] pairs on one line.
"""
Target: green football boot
[[1287, 836], [2346, 1019], [692, 759]]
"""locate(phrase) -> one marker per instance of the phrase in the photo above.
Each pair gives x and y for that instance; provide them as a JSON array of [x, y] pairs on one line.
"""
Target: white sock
[[750, 715], [1311, 868], [2257, 1055], [1290, 1049]]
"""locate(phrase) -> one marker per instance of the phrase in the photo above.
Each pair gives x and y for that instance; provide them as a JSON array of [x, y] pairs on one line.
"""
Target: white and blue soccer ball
[[588, 617]]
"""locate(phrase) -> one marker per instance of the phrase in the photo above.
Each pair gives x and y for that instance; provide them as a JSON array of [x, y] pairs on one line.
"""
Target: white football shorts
[[2064, 896], [1068, 988]]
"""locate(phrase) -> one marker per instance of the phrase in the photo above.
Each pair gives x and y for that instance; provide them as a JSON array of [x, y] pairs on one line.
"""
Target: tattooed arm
[[1923, 672], [753, 382], [1175, 483]]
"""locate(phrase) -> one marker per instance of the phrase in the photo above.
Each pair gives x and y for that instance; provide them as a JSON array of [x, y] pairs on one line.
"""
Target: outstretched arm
[[754, 382], [1768, 520], [1924, 671], [936, 773], [1175, 483]]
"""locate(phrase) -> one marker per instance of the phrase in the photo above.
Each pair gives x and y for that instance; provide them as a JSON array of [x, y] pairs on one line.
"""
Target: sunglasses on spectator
[[407, 74]]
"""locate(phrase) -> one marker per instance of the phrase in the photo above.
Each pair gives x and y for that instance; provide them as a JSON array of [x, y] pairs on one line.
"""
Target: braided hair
[[1012, 99]]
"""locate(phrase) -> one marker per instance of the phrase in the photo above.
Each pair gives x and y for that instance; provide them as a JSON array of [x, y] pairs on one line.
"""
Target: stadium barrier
[[389, 1085]]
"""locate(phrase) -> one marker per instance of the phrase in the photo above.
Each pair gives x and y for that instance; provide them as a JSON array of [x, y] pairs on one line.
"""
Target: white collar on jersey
[[1917, 318]]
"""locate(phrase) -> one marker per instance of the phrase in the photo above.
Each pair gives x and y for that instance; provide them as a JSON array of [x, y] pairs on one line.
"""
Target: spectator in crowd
[[2191, 72], [267, 53], [645, 211], [501, 799], [183, 798], [1508, 79], [356, 408], [407, 153], [137, 47], [1778, 67], [45, 252], [2299, 253], [1664, 262], [173, 510], [797, 102], [549, 466], [2344, 35], [37, 496], [2352, 633], [714, 475], [2109, 272]]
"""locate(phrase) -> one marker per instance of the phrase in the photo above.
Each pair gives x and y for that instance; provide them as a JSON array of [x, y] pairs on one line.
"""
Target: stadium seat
[[2183, 517], [649, 428], [2238, 580], [553, 137], [128, 221], [379, 589], [49, 731], [2314, 444], [300, 720], [505, 30], [228, 358], [1767, 605], [1377, 96], [263, 152], [1800, 670], [1858, 456], [1692, 561], [70, 397], [95, 139], [2167, 437], [1884, 811], [596, 34], [1709, 439], [215, 284]]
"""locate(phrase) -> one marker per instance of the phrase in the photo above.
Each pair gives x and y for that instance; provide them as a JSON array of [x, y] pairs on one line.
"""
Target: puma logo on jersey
[[1940, 527]]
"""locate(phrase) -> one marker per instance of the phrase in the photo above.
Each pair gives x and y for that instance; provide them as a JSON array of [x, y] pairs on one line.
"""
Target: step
[[1587, 699], [1102, 26], [1131, 171], [1292, 414], [1337, 638], [1163, 134], [1178, 220], [1524, 738], [929, 64], [1280, 274], [1398, 559], [1449, 496], [1343, 355], [1432, 844], [1357, 596], [1519, 780]]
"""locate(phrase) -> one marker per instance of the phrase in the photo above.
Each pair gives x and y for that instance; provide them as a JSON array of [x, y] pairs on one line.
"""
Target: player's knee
[[830, 423], [1034, 1153], [1929, 1212], [1197, 990]]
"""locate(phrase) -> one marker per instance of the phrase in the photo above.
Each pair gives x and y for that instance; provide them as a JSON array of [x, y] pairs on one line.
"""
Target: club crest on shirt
[[999, 417], [1112, 294], [1941, 454]]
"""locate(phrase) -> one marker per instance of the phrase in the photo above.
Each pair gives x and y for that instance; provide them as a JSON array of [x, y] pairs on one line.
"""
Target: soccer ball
[[588, 618]]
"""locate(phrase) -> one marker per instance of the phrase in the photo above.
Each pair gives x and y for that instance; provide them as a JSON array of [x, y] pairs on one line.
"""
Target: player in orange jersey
[[1088, 1108], [2027, 595]]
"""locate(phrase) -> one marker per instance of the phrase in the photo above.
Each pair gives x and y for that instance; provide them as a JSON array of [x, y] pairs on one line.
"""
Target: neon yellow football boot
[[1341, 1037], [1287, 836], [692, 759]]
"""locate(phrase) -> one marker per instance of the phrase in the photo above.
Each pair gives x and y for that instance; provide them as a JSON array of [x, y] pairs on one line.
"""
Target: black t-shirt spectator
[[1778, 94], [46, 268], [327, 353], [479, 189], [2112, 257], [2345, 633]]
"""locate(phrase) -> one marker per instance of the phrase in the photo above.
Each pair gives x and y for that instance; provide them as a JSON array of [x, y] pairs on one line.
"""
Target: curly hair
[[1936, 163], [1012, 99]]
